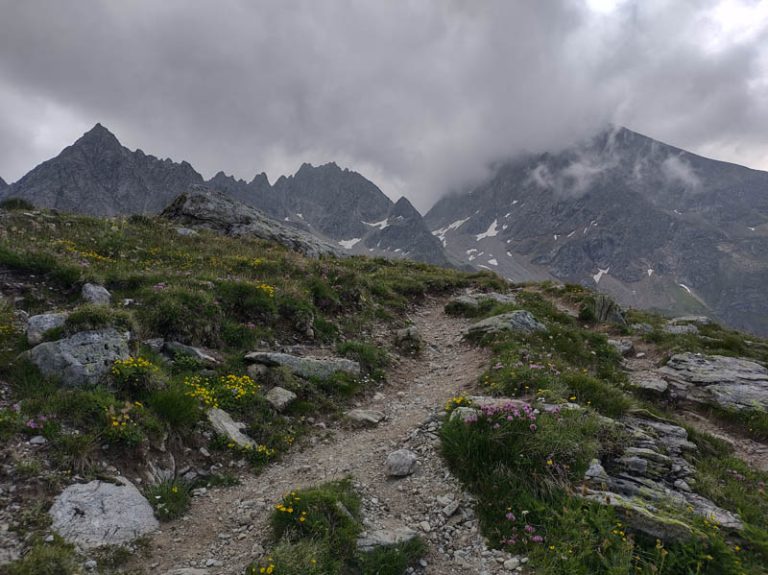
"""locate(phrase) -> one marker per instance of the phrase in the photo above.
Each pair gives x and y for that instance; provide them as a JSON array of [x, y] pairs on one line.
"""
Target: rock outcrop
[[202, 207], [727, 382], [98, 513]]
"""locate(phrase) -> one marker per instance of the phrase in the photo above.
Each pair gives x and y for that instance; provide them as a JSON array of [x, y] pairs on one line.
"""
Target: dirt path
[[227, 528]]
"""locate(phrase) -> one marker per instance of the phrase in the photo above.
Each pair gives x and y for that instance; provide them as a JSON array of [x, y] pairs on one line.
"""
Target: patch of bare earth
[[225, 529]]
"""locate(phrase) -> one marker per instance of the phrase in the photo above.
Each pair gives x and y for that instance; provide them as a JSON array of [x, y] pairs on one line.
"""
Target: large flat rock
[[519, 321], [321, 367], [727, 382], [98, 513]]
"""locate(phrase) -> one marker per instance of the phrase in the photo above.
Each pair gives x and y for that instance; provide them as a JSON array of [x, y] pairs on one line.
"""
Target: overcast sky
[[417, 95]]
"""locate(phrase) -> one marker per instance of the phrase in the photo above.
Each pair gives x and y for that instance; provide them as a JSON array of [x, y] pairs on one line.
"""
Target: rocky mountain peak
[[98, 137], [404, 209], [260, 180]]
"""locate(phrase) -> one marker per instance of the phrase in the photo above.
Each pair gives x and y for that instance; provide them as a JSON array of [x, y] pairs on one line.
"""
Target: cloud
[[419, 96], [677, 170]]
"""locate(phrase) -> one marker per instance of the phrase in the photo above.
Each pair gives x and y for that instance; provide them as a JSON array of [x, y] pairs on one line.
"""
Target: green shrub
[[46, 559], [602, 396], [328, 513], [92, 317], [76, 452], [182, 314], [247, 301], [302, 557], [169, 499], [372, 359], [391, 559], [16, 204], [175, 407]]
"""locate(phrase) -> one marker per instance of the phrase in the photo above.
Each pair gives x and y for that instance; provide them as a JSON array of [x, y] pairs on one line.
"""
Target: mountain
[[342, 206], [3, 185], [98, 176], [653, 225]]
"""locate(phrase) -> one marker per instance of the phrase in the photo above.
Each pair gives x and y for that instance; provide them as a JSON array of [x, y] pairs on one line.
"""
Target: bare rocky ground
[[225, 529]]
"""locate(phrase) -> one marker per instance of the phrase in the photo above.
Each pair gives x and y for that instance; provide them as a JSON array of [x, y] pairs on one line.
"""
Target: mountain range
[[652, 225]]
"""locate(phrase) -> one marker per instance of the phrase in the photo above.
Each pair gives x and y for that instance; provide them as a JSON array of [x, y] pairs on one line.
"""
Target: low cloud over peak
[[418, 97]]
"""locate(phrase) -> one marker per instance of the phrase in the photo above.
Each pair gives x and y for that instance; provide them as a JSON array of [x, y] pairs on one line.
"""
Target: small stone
[[96, 294], [365, 417], [511, 564], [280, 398], [400, 463], [38, 440]]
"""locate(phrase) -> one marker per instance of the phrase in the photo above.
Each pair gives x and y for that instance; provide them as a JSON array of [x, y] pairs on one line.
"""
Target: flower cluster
[[267, 289], [200, 388], [290, 506], [521, 531], [457, 401], [226, 390], [122, 424], [69, 246], [239, 386], [134, 374]]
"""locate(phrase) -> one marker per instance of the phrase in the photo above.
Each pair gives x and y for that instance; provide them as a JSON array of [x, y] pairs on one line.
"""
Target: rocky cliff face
[[98, 176], [651, 224], [3, 185]]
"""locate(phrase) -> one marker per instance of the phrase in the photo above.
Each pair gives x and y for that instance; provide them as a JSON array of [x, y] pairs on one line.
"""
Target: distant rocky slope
[[98, 176], [3, 185], [343, 206], [653, 225]]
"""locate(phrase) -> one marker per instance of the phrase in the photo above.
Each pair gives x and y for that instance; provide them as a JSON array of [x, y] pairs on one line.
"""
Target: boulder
[[365, 417], [370, 540], [38, 325], [696, 319], [684, 329], [519, 321], [174, 348], [98, 513], [728, 382], [83, 358], [280, 398], [96, 294], [624, 346], [320, 367], [400, 463], [409, 341], [224, 425], [649, 381], [471, 302]]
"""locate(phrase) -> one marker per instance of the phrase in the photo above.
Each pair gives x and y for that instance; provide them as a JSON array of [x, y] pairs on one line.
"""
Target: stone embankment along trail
[[227, 528]]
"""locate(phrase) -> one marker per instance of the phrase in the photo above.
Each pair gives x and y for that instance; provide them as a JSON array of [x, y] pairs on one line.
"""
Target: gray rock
[[95, 514], [186, 232], [280, 398], [96, 294], [400, 463], [187, 571], [83, 358], [520, 321], [685, 329], [202, 355], [717, 380], [320, 367], [368, 541], [465, 414], [38, 325], [649, 381], [624, 346], [473, 301], [38, 440], [641, 327], [365, 417], [156, 344], [224, 425], [697, 319], [202, 207]]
